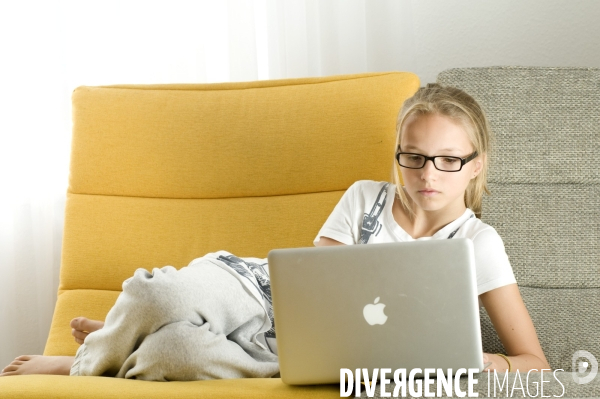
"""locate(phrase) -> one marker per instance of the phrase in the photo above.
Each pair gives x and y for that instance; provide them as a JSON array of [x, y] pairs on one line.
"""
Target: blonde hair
[[461, 108]]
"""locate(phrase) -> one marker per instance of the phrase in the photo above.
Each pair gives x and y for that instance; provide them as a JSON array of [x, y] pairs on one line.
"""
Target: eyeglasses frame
[[463, 161]]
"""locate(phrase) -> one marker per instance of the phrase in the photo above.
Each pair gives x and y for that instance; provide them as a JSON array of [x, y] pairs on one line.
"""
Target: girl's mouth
[[428, 193]]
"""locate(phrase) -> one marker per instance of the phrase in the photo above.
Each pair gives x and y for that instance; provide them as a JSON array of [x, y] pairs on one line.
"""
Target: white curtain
[[320, 38], [50, 47]]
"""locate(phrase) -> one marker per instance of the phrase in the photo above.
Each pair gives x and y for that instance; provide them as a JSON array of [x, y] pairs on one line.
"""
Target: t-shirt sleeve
[[340, 223], [493, 267]]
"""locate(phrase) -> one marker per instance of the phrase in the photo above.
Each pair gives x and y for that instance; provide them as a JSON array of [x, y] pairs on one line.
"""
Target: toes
[[9, 368], [78, 334], [15, 364], [76, 323], [85, 324], [93, 325]]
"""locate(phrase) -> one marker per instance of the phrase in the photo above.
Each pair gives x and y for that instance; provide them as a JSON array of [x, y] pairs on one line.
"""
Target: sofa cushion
[[545, 190], [551, 231], [546, 121], [237, 139], [60, 387], [566, 320]]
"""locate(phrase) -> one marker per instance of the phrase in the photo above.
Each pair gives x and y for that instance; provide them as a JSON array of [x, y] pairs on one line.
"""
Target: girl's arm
[[515, 329]]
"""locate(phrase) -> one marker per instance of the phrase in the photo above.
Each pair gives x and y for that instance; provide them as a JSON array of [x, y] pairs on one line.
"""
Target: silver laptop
[[397, 305]]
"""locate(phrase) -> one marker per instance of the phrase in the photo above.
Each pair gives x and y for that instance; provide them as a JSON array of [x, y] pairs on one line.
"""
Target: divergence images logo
[[580, 367], [373, 313]]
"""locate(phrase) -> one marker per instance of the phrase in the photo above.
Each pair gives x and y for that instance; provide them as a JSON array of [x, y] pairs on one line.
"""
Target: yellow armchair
[[162, 174]]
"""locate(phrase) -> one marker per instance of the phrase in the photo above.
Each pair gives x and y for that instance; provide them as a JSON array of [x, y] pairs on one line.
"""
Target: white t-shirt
[[364, 216]]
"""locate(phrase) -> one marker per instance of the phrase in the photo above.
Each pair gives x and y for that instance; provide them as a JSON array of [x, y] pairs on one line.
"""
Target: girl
[[443, 142]]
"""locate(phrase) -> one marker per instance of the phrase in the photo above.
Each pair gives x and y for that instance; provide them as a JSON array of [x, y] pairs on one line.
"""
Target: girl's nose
[[428, 172]]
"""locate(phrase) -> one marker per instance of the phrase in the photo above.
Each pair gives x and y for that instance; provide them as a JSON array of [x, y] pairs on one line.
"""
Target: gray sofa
[[545, 204]]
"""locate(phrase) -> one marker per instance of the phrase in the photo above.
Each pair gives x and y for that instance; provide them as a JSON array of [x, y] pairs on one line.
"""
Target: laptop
[[394, 305]]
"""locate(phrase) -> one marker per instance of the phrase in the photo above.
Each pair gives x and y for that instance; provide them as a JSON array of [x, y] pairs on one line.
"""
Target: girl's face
[[431, 189]]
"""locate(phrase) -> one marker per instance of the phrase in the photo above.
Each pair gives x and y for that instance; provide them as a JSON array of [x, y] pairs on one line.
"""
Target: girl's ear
[[479, 162]]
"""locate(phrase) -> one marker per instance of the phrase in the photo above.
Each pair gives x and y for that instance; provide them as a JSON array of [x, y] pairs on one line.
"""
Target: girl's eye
[[449, 160]]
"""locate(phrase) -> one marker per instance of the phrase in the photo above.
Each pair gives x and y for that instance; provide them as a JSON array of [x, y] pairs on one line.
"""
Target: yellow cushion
[[162, 174], [59, 387], [235, 140], [166, 231]]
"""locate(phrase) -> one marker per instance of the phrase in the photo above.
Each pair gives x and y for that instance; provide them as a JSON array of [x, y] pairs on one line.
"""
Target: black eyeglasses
[[441, 162]]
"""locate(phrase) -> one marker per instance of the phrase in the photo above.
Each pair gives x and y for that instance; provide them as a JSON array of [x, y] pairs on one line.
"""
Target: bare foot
[[35, 364], [82, 327]]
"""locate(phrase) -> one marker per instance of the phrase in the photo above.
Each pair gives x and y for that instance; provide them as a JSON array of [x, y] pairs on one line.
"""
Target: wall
[[451, 34], [312, 38]]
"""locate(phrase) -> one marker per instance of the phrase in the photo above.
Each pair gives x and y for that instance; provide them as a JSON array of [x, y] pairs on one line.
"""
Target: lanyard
[[455, 231]]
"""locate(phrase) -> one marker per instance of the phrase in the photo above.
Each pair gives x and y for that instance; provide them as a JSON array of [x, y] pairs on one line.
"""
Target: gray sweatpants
[[195, 323]]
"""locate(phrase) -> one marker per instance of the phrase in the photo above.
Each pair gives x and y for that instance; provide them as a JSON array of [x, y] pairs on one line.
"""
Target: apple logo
[[373, 313]]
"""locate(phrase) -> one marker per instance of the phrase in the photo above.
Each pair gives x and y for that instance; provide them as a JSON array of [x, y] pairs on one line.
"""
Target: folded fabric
[[208, 320]]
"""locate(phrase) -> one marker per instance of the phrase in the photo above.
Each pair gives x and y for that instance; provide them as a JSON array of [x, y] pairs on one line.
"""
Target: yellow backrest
[[162, 174]]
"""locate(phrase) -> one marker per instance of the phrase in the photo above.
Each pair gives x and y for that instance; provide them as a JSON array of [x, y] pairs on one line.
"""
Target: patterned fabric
[[552, 237], [370, 224], [546, 121], [255, 272], [545, 185]]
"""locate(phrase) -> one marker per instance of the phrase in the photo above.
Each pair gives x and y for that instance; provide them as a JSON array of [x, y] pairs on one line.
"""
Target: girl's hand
[[497, 362]]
